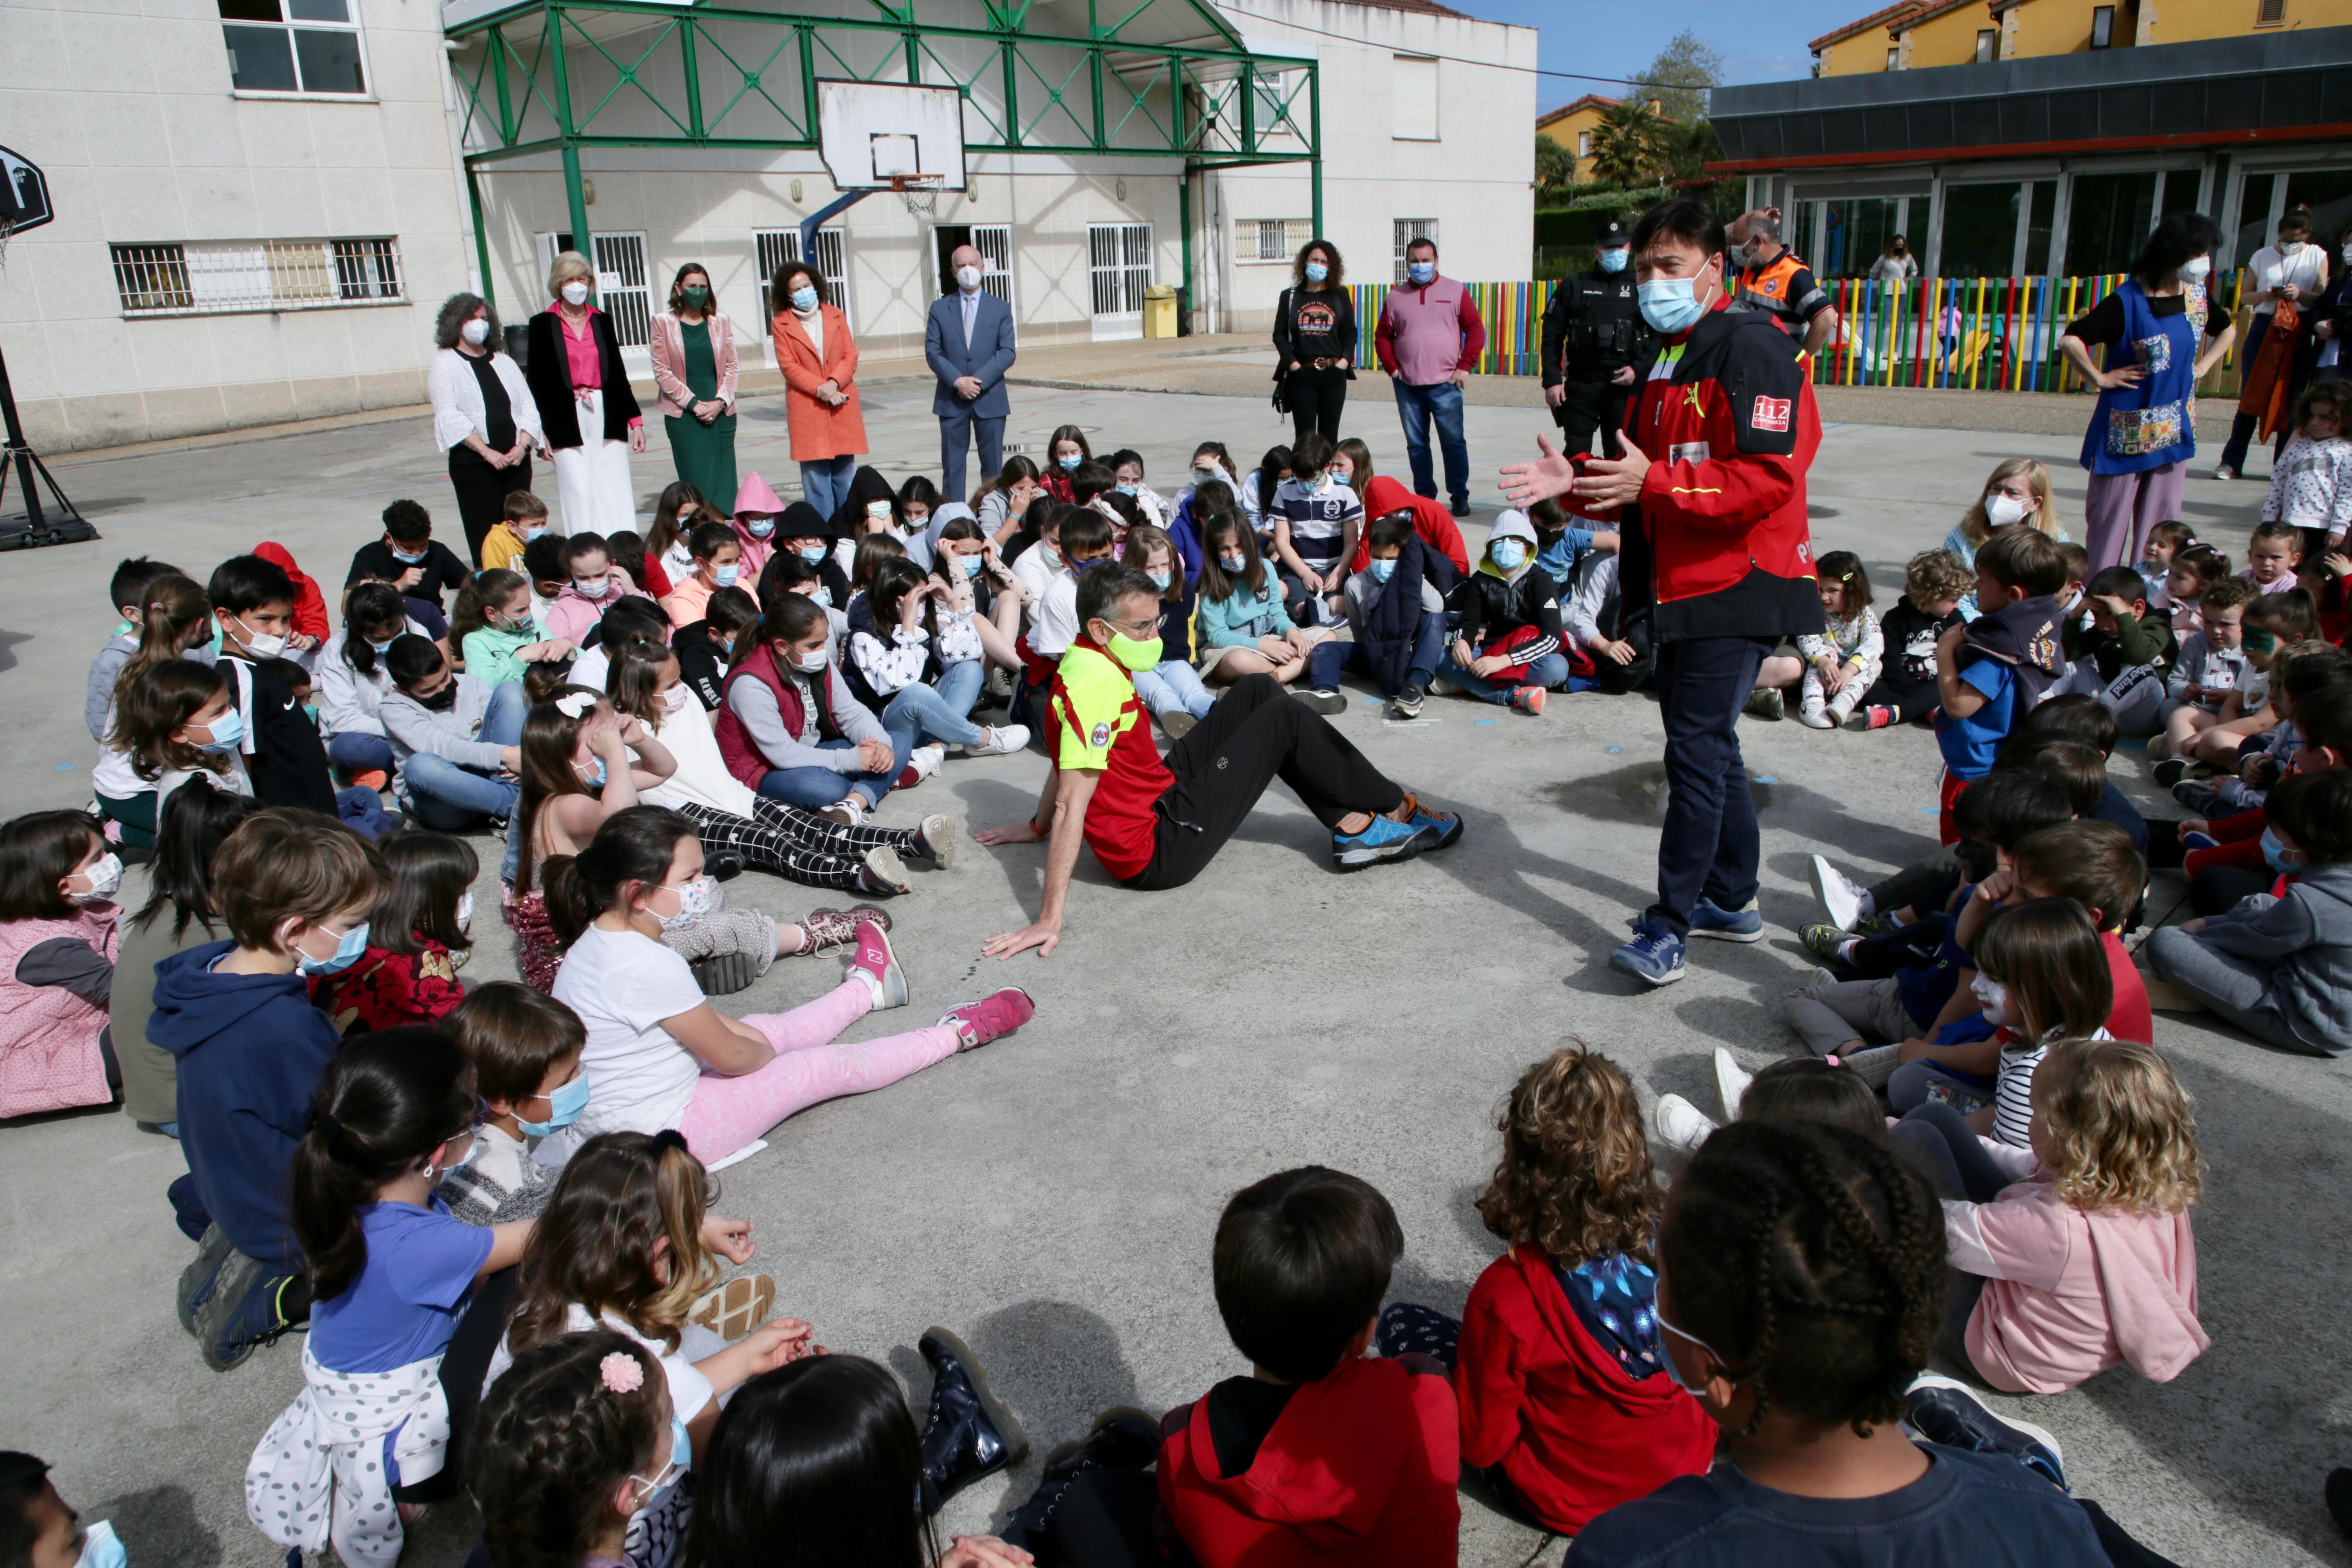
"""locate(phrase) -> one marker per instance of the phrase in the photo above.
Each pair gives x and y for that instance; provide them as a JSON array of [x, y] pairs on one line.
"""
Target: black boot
[[968, 1434], [722, 865], [1124, 1438]]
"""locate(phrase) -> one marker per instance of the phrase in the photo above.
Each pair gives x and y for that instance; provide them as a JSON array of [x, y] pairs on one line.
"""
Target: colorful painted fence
[[1995, 334]]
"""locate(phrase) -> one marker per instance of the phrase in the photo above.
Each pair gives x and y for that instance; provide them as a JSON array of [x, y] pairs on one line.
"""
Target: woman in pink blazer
[[694, 369], [819, 359]]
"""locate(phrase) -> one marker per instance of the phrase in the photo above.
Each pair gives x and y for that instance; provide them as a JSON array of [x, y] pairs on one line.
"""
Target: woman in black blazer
[[590, 415]]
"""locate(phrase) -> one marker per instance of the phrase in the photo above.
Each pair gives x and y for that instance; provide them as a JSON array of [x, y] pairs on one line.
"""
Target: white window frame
[[1407, 230], [218, 277], [994, 243], [1410, 68], [288, 25], [1288, 234], [1584, 144], [1120, 281], [771, 247]]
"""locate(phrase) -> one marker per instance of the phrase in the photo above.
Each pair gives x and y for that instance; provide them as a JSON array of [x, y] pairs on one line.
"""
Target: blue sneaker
[[1445, 825], [1944, 1410], [2198, 841], [1385, 839], [1711, 921], [1654, 956]]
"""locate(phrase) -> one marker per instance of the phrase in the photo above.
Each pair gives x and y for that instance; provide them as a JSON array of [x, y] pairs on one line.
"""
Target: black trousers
[[1316, 398], [1619, 679], [482, 492], [1592, 407], [1256, 733], [1910, 698], [463, 1367]]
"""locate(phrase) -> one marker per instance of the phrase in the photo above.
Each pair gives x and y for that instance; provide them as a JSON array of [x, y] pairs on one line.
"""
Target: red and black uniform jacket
[[1719, 538], [1574, 1434]]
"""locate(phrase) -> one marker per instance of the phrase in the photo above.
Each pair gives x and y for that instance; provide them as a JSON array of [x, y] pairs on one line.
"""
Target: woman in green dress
[[695, 369]]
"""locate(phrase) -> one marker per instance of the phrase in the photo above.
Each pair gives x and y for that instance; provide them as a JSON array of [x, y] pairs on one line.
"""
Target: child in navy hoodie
[[293, 889]]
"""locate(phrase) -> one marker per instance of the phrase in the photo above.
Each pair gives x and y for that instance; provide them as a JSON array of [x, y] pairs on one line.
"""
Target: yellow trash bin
[[1160, 311]]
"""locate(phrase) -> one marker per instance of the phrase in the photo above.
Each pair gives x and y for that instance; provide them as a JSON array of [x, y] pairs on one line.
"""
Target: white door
[[623, 290], [774, 247], [994, 243], [1119, 258]]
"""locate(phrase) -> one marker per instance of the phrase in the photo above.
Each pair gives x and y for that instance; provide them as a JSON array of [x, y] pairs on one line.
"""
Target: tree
[[1688, 68], [1628, 145], [1555, 166], [1689, 146]]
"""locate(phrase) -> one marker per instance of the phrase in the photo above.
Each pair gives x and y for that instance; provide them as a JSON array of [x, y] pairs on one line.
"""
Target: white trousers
[[591, 481]]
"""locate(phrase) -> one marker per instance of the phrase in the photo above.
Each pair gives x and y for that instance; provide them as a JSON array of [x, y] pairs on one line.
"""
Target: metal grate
[[1409, 229], [994, 243], [219, 277], [774, 247], [1120, 258], [1276, 238]]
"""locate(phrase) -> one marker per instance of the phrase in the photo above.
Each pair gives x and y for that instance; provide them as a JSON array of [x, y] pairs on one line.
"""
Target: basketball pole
[[19, 458]]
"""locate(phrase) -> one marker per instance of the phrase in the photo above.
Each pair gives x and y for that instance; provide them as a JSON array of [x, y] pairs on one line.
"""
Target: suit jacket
[[988, 355], [550, 376], [668, 346]]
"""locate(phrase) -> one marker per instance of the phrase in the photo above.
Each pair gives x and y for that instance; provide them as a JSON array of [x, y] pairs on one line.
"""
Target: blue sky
[[1761, 42]]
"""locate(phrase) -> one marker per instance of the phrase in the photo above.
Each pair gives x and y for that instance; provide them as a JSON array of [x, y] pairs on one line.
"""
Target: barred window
[[217, 276], [1409, 229], [1274, 238]]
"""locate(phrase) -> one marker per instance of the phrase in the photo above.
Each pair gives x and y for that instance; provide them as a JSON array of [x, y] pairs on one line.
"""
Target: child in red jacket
[[1317, 1456], [1565, 1401]]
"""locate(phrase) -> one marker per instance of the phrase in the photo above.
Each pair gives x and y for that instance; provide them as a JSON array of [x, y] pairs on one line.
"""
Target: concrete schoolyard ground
[[1052, 1197]]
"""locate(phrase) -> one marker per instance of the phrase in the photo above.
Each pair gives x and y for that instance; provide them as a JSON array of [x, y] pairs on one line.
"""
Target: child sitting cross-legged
[[1933, 582], [58, 934], [2279, 965], [1396, 620], [2267, 628], [2210, 667], [395, 1280], [1319, 1454], [1800, 1281], [1245, 628], [1566, 1404], [1833, 668], [525, 1049], [1794, 1088], [2272, 555], [2126, 656], [1507, 636], [419, 932]]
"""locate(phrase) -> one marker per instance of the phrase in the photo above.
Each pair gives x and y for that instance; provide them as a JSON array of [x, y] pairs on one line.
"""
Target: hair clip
[[622, 1373], [574, 704]]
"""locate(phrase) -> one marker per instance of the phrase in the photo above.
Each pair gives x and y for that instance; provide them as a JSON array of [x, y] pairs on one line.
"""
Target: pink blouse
[[581, 353]]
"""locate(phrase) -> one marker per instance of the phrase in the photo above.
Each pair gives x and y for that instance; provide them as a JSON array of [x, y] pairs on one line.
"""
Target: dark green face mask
[[697, 298]]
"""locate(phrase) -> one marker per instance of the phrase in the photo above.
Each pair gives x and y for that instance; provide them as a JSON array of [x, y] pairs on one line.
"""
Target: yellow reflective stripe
[[1694, 490]]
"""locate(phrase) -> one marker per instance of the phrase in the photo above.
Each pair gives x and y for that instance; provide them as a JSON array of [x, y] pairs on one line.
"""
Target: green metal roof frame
[[538, 77]]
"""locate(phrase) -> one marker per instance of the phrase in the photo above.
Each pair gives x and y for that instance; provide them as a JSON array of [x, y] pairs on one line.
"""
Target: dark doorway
[[945, 240]]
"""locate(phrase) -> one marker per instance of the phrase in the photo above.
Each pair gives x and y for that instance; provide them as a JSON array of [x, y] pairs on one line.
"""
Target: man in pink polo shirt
[[1428, 334]]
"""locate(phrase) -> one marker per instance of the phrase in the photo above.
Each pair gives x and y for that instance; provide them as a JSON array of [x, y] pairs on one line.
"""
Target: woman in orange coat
[[819, 359]]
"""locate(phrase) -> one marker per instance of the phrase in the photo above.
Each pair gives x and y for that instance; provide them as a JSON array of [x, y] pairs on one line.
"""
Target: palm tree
[[1628, 145]]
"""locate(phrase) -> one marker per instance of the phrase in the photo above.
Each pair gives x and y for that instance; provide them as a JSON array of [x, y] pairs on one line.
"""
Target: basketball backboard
[[25, 194], [867, 131]]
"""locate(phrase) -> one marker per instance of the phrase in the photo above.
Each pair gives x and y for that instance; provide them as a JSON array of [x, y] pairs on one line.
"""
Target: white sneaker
[[1680, 1123], [926, 760], [1874, 1065], [1844, 901], [1001, 740], [1816, 716], [1731, 1081]]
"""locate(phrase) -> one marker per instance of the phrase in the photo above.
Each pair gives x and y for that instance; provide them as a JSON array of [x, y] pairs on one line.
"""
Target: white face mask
[[674, 700], [466, 909], [575, 293], [2195, 268], [104, 876], [2001, 510], [967, 278], [476, 331], [261, 645]]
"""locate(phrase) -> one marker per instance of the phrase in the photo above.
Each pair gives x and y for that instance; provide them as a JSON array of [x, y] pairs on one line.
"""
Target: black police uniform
[[1592, 329]]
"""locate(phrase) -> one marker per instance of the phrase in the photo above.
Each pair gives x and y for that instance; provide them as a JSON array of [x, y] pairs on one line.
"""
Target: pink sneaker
[[999, 1012], [878, 966], [1528, 699]]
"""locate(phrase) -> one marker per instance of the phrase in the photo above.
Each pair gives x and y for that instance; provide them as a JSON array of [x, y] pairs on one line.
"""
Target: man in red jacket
[[1715, 536]]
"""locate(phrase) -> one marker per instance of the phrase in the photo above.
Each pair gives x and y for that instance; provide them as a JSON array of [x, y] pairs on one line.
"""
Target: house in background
[[1573, 127], [1920, 35], [2058, 162]]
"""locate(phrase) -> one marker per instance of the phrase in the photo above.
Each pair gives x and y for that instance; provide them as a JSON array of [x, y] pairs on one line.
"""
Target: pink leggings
[[726, 1113]]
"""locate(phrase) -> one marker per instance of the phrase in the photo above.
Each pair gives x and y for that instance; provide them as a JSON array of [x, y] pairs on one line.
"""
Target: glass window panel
[[249, 11], [319, 10], [2038, 258], [2328, 193], [2179, 195], [1855, 234], [259, 60], [330, 61], [1979, 231], [2109, 220]]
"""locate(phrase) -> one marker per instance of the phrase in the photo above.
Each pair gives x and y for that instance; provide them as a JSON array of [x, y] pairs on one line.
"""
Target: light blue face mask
[[1613, 258], [1670, 304], [1128, 489], [971, 565], [228, 731], [1509, 554], [1070, 462], [1383, 568], [348, 948], [405, 555], [1419, 272], [101, 1548], [1161, 580], [812, 553], [593, 772], [381, 648], [564, 1108], [804, 298], [760, 527], [725, 575], [2277, 856], [1317, 272]]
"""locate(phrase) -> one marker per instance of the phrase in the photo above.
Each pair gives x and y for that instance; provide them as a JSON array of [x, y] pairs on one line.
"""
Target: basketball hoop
[[920, 192]]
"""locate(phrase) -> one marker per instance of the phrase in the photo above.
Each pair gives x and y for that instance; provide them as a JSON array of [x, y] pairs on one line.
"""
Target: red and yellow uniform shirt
[[1098, 725]]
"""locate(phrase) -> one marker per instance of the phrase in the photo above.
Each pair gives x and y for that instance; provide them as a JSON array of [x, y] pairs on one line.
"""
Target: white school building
[[262, 203]]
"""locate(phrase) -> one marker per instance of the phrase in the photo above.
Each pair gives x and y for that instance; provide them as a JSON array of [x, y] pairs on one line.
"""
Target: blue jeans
[[359, 752], [502, 720], [957, 432], [824, 485], [1415, 405], [1173, 685], [443, 794], [1708, 845], [816, 788], [1551, 672], [1329, 658], [940, 712]]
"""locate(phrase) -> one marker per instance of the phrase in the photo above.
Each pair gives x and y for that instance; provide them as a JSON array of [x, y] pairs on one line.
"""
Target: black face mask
[[442, 700]]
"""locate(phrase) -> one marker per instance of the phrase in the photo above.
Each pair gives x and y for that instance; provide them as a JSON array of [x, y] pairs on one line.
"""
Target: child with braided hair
[[1800, 1283]]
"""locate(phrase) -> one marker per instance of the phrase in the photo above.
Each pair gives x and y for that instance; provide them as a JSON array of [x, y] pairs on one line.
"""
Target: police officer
[[1592, 333]]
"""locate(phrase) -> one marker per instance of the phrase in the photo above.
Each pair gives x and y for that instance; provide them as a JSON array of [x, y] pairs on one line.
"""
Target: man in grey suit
[[969, 344]]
